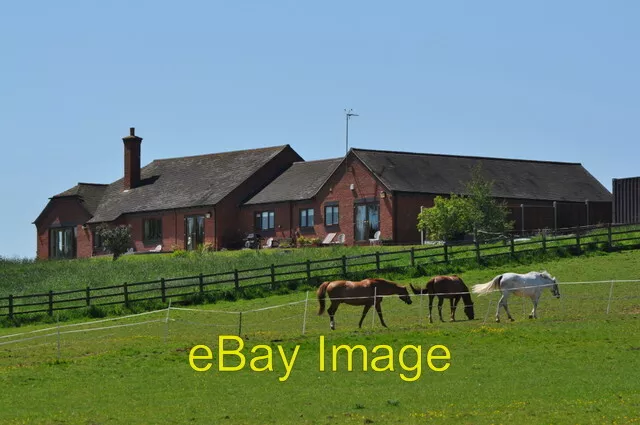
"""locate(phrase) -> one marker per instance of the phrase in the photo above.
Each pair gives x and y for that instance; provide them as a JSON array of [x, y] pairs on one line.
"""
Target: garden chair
[[376, 239]]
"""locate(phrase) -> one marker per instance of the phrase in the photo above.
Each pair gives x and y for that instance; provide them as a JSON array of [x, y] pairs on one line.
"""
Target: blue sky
[[544, 80]]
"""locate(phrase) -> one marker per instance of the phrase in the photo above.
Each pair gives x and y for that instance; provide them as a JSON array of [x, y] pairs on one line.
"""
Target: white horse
[[523, 285]]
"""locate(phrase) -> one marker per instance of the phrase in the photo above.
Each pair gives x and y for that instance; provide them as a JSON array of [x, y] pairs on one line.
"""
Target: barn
[[374, 190]]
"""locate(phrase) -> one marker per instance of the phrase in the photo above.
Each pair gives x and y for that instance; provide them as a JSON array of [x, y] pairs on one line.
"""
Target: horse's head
[[404, 294], [554, 288], [468, 310]]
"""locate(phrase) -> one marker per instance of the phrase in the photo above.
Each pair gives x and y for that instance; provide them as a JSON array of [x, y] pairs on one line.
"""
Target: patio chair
[[327, 240], [339, 240], [156, 249], [269, 243], [376, 239]]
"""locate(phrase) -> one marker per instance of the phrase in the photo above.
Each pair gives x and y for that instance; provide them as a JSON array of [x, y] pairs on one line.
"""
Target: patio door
[[367, 221], [194, 231]]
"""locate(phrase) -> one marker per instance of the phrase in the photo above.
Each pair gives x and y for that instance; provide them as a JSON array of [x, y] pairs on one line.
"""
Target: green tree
[[116, 239], [489, 215], [453, 217], [449, 218]]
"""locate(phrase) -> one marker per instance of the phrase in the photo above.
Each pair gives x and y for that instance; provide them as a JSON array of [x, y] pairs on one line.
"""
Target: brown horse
[[359, 293], [451, 287]]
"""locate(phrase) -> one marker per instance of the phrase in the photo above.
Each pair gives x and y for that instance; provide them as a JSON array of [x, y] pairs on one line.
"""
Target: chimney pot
[[132, 131]]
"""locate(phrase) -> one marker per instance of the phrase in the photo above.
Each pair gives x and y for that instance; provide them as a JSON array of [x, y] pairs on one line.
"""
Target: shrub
[[116, 239]]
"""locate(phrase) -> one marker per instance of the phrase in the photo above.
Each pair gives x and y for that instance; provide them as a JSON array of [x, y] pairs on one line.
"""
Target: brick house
[[176, 202], [181, 203], [384, 190]]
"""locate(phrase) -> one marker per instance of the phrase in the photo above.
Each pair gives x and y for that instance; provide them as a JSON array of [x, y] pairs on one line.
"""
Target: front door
[[367, 221], [194, 231]]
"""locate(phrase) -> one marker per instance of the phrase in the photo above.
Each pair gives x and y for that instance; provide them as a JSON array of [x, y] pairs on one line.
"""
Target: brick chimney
[[131, 159]]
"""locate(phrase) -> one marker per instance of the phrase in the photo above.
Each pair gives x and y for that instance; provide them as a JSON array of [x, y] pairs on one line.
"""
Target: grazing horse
[[359, 293], [451, 287], [523, 285]]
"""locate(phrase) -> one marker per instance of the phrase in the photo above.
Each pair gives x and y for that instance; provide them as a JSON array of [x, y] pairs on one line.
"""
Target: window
[[62, 242], [152, 230], [331, 215], [367, 219], [265, 220], [306, 217], [194, 231]]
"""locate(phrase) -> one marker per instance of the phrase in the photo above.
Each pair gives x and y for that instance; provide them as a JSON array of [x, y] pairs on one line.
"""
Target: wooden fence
[[177, 288]]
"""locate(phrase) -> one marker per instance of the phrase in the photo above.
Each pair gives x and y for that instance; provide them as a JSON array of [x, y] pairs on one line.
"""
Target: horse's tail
[[322, 292], [485, 288]]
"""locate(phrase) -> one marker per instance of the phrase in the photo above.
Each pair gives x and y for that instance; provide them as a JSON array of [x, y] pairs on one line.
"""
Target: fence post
[[166, 323], [373, 313], [511, 246], [344, 265], [578, 238], [58, 332], [88, 296], [555, 217], [609, 235], [446, 253], [236, 282], [163, 290], [544, 242], [126, 294], [201, 283], [610, 294], [377, 262], [304, 318], [10, 306], [273, 276], [413, 257], [51, 303], [477, 245], [239, 323], [308, 269]]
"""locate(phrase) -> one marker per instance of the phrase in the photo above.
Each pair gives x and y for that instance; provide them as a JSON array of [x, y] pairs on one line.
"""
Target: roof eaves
[[376, 176]]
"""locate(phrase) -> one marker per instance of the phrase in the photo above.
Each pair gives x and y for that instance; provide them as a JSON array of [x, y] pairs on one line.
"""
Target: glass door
[[367, 221], [194, 231]]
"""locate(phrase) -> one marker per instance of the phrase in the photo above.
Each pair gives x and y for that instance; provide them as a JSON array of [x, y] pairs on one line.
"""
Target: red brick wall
[[407, 210], [337, 189], [232, 224], [65, 212], [173, 228]]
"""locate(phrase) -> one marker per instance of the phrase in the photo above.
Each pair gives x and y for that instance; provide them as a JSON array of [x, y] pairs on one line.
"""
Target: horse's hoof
[[531, 316], [512, 319], [497, 320]]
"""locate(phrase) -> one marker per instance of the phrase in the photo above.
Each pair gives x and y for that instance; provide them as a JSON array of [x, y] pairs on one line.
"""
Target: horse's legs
[[379, 310], [454, 305], [430, 306], [364, 313], [440, 301], [535, 298], [332, 311], [506, 308], [503, 303]]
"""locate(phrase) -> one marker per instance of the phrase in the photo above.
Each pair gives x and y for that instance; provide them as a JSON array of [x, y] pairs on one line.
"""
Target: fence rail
[[608, 237]]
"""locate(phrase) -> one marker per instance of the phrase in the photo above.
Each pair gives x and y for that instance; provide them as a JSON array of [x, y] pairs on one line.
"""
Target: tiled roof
[[513, 178], [301, 181], [184, 182]]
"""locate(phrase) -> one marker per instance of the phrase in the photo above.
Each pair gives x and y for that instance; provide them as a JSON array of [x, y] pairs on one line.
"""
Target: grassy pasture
[[18, 277], [575, 364]]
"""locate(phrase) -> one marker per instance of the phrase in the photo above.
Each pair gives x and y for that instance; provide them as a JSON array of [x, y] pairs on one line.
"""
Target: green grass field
[[575, 364]]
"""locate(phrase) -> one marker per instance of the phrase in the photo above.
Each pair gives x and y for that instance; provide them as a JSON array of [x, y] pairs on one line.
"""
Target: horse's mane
[[546, 274]]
